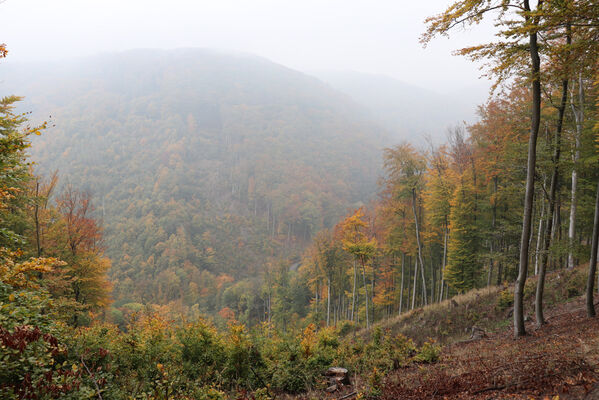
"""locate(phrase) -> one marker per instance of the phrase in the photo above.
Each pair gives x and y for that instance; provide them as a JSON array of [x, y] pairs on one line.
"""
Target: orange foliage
[[227, 314]]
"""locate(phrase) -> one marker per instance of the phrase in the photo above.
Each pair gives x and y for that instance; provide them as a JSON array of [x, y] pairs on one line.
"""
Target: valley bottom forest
[[193, 224]]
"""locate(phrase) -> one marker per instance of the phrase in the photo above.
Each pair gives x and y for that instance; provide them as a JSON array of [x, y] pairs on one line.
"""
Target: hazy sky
[[375, 36]]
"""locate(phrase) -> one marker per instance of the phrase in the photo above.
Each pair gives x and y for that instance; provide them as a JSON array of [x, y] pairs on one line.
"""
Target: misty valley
[[209, 224]]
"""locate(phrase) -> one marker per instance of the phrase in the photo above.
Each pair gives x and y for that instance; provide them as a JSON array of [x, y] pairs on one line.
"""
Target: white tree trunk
[[415, 282], [579, 118], [365, 294], [403, 257]]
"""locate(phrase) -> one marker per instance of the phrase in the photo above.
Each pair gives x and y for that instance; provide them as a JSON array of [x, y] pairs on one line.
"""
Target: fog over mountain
[[406, 110], [206, 166], [202, 163]]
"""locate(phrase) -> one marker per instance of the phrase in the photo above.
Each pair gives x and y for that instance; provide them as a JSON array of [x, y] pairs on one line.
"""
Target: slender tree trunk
[[37, 221], [408, 282], [328, 300], [415, 281], [365, 294], [540, 237], [563, 261], [552, 197], [519, 329], [372, 292], [340, 306], [419, 245], [444, 261], [579, 117], [403, 258], [593, 262], [353, 293], [490, 274], [269, 307], [433, 277]]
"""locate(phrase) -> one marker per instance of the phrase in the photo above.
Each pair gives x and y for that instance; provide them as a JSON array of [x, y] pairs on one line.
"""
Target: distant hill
[[408, 111], [205, 166]]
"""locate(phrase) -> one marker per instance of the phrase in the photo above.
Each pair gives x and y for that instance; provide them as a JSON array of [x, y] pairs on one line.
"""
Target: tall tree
[[76, 239], [356, 242], [405, 172], [519, 24], [463, 267], [590, 302], [440, 187]]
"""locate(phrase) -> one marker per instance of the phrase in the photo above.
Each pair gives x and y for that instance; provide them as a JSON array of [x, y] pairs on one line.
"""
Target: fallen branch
[[91, 376], [347, 396]]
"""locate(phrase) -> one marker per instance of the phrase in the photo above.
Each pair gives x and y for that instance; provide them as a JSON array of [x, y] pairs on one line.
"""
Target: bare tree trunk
[[419, 245], [37, 220], [328, 300], [593, 262], [373, 291], [499, 273], [519, 329], [433, 277], [493, 223], [444, 262], [540, 237], [552, 200], [365, 293], [353, 293], [269, 307], [403, 258], [579, 117], [408, 282], [415, 281]]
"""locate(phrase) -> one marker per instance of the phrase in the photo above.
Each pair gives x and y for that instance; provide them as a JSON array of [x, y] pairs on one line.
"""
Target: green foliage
[[429, 352], [375, 384], [217, 172], [463, 267], [505, 299], [14, 173]]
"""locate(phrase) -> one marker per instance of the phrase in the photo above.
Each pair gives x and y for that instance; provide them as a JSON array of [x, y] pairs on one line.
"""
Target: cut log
[[338, 375], [336, 371], [477, 333]]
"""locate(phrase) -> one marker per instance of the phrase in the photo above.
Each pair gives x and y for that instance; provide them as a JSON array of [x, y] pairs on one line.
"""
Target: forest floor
[[560, 360]]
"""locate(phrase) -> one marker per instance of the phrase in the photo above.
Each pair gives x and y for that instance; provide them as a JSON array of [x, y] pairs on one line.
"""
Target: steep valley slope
[[206, 168]]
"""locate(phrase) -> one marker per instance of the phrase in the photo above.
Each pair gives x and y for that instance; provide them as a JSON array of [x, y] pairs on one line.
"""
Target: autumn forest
[[203, 224]]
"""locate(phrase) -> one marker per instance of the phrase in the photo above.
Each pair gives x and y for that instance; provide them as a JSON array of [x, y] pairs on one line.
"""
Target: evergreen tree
[[463, 267]]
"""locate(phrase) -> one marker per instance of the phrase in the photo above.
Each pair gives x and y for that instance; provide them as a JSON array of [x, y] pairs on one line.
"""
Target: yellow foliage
[[25, 274], [308, 340]]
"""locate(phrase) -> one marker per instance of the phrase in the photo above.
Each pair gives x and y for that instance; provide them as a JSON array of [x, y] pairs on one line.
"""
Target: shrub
[[429, 352], [345, 328], [202, 352], [375, 384], [505, 300]]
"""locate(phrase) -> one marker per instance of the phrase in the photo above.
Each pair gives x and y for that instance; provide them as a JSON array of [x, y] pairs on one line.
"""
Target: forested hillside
[[191, 224], [203, 166]]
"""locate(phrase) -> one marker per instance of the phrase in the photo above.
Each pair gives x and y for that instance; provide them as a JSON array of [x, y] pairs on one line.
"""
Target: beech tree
[[440, 187], [405, 168], [519, 23], [356, 242]]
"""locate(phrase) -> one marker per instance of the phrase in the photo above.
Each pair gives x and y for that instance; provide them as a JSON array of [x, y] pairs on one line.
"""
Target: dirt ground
[[559, 359]]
